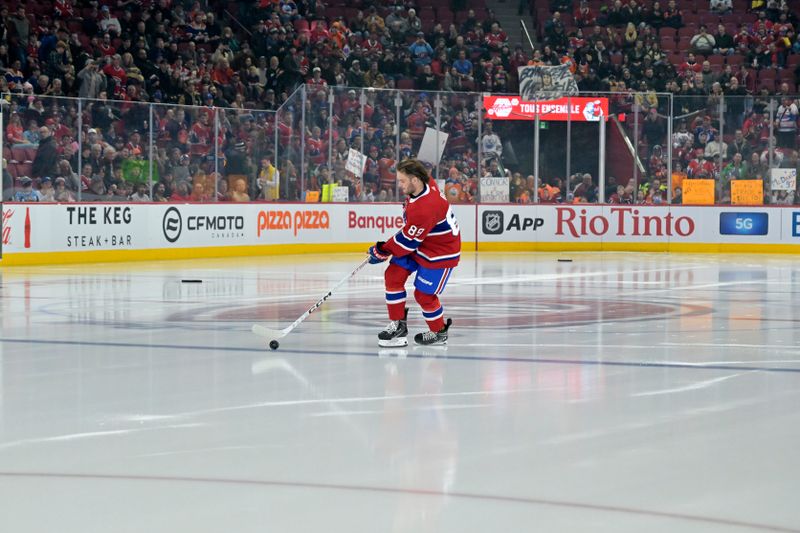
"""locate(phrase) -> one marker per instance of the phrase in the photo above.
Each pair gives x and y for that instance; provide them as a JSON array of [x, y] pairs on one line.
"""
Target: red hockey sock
[[395, 280], [396, 311], [431, 309]]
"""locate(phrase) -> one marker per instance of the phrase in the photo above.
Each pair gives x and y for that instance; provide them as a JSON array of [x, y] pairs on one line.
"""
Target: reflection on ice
[[651, 375]]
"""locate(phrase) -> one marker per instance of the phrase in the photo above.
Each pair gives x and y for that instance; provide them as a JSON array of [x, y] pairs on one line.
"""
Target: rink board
[[733, 229], [68, 233]]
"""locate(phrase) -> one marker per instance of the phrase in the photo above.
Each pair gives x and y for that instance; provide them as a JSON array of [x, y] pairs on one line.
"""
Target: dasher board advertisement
[[42, 228]]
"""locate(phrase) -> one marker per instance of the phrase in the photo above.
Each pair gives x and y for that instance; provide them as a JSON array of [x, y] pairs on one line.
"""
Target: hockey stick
[[273, 335]]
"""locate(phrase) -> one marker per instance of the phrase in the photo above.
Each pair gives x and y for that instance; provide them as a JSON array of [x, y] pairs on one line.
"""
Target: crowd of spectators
[[216, 72], [732, 66]]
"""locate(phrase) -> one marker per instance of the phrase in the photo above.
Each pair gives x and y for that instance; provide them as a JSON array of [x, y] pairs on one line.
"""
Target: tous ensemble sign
[[576, 108]]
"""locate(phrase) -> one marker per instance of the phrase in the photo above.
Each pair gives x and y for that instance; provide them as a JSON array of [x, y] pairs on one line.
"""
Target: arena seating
[[249, 58]]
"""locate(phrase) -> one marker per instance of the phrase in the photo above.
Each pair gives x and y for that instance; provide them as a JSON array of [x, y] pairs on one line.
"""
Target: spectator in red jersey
[[316, 83], [618, 196], [58, 129], [319, 32], [116, 75], [372, 46], [315, 146], [584, 15], [182, 193], [15, 132], [201, 132], [756, 128], [691, 64], [64, 9], [103, 45], [222, 73], [496, 38], [700, 166]]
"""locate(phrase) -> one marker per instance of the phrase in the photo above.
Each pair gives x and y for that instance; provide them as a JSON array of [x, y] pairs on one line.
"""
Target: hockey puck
[[565, 260], [273, 345], [191, 281]]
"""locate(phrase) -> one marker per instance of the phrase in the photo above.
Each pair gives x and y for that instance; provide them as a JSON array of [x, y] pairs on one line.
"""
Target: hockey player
[[429, 245]]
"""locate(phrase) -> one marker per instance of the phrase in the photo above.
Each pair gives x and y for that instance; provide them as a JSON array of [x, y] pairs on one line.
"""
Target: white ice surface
[[616, 393]]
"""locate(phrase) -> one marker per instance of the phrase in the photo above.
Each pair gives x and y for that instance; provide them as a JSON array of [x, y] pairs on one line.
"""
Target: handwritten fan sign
[[783, 179], [699, 192], [747, 192], [355, 162], [495, 190], [340, 194]]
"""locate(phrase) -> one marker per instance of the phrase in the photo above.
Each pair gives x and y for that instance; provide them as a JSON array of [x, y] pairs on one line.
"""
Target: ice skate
[[395, 334], [433, 338]]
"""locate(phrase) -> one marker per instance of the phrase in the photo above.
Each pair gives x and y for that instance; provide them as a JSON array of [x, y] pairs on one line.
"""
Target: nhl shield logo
[[492, 222]]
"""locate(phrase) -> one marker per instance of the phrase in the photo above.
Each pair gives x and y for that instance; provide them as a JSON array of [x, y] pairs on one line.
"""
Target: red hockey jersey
[[430, 234]]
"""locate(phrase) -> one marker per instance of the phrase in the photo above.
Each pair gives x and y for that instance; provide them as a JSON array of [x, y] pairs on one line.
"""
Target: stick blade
[[269, 334]]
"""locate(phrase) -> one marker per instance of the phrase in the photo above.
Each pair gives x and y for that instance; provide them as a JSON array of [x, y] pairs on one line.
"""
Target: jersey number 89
[[415, 231]]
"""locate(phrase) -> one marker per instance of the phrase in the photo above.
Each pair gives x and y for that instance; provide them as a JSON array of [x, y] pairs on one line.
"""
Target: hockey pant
[[428, 284]]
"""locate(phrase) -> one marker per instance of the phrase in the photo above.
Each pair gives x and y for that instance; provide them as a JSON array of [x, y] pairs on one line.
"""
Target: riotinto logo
[[743, 223], [172, 224]]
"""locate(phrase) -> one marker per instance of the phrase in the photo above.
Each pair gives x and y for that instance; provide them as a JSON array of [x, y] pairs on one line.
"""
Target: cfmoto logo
[[172, 224], [493, 222]]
